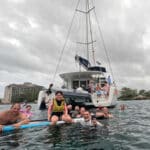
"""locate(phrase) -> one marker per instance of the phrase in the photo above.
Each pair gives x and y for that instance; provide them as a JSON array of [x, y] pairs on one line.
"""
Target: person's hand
[[1, 128], [26, 121], [49, 118], [16, 125], [65, 114], [94, 121]]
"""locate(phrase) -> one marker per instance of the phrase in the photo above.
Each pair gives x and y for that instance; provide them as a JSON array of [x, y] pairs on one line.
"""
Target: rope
[[106, 51], [62, 51]]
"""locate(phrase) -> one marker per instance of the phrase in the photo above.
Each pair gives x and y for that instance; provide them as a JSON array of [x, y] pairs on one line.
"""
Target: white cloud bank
[[32, 33]]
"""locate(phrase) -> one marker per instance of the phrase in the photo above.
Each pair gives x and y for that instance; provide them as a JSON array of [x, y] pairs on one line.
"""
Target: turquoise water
[[129, 130]]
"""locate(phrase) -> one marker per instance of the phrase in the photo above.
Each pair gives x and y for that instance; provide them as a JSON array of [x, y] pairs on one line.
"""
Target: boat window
[[79, 99], [83, 84], [87, 100], [73, 99], [75, 84], [67, 99]]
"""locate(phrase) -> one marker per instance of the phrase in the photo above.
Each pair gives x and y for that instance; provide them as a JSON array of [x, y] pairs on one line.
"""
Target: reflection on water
[[129, 130]]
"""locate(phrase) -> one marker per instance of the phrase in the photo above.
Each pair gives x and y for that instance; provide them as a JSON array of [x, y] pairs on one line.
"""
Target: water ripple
[[129, 130]]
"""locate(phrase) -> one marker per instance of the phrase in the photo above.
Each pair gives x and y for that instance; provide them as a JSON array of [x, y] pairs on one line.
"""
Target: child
[[27, 111]]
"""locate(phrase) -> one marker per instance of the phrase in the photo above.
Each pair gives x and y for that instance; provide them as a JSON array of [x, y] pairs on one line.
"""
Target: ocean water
[[128, 130]]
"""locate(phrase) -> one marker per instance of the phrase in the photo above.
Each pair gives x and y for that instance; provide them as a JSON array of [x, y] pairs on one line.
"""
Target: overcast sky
[[33, 32]]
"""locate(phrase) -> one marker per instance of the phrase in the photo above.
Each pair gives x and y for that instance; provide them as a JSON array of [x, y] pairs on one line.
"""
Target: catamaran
[[80, 87]]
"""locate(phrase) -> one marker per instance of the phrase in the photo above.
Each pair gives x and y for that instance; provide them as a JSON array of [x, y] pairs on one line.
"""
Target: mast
[[89, 35], [88, 27]]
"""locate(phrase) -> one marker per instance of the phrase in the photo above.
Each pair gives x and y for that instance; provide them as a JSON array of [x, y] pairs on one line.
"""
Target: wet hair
[[59, 92], [86, 112], [15, 104], [28, 106]]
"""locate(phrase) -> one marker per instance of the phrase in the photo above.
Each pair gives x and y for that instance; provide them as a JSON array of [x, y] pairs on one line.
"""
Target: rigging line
[[61, 54], [106, 52]]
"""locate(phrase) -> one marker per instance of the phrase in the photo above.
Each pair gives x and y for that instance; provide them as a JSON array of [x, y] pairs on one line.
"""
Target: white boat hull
[[105, 101], [43, 98]]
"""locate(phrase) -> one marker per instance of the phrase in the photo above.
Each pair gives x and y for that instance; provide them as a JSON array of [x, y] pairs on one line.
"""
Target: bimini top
[[97, 68], [87, 65], [83, 74]]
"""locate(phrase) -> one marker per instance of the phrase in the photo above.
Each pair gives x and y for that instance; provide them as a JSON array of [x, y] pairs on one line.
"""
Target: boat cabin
[[74, 80]]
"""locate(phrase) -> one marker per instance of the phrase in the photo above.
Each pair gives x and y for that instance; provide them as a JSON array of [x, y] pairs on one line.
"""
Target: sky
[[33, 34]]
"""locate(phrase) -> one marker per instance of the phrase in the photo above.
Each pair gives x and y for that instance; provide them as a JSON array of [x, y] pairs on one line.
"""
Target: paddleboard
[[8, 128]]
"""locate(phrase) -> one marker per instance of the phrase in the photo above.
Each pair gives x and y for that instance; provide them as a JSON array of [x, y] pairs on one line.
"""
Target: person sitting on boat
[[88, 120], [106, 88], [27, 111], [49, 91], [91, 87], [109, 80], [13, 116], [58, 110], [99, 92], [48, 95], [43, 104], [103, 113]]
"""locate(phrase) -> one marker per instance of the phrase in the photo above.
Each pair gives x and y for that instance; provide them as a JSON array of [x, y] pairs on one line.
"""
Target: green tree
[[127, 93], [142, 92], [147, 94]]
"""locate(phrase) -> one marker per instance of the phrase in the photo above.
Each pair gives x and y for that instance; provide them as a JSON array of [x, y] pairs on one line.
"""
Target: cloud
[[33, 33]]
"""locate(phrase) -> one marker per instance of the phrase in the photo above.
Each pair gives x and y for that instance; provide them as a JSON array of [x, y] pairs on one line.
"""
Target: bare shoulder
[[4, 112], [50, 103]]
